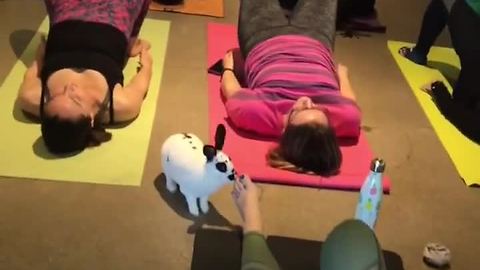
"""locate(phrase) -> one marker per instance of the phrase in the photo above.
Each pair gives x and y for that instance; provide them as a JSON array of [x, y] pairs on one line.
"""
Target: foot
[[137, 47], [246, 197], [413, 55]]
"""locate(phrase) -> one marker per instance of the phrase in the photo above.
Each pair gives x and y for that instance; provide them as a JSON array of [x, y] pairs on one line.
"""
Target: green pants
[[352, 245]]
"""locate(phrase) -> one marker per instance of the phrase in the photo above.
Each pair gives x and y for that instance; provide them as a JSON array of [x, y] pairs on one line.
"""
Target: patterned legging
[[125, 15]]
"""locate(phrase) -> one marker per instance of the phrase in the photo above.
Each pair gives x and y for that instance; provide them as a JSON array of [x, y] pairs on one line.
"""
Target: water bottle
[[371, 194]]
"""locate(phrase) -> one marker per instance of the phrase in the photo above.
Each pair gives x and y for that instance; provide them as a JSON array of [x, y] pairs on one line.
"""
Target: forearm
[[138, 86], [35, 69], [30, 91], [345, 86], [255, 253], [230, 84], [128, 101]]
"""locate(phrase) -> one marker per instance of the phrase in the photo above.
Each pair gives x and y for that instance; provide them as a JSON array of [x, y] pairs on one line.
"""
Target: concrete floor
[[54, 225]]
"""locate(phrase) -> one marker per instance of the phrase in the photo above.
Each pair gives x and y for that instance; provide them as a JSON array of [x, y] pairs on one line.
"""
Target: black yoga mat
[[218, 249]]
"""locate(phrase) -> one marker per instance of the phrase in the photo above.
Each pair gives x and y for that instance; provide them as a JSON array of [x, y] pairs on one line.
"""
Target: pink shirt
[[278, 72]]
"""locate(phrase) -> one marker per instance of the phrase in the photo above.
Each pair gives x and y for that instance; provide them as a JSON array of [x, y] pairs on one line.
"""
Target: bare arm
[[230, 84], [128, 101], [30, 91], [345, 86]]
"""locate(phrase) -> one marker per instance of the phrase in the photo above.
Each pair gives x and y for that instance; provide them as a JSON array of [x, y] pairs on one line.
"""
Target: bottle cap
[[377, 165]]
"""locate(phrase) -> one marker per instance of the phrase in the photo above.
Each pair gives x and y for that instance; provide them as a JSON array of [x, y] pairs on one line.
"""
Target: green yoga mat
[[119, 162], [464, 153]]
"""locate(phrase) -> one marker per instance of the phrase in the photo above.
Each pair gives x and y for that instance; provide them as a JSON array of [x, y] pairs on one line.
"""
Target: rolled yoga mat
[[248, 154], [213, 8], [464, 153], [120, 161]]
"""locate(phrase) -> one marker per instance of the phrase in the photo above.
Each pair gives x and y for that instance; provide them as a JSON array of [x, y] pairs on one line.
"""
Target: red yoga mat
[[249, 154]]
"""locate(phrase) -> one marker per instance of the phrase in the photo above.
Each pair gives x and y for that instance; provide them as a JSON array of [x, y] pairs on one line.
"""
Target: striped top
[[278, 72]]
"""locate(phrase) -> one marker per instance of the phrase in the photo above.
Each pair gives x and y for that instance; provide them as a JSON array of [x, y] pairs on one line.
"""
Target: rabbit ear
[[220, 136], [210, 152]]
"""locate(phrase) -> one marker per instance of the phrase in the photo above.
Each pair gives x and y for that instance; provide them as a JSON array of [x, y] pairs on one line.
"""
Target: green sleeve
[[475, 5], [255, 253]]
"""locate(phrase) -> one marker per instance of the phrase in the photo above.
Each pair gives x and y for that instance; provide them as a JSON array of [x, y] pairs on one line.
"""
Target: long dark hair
[[65, 136], [307, 148]]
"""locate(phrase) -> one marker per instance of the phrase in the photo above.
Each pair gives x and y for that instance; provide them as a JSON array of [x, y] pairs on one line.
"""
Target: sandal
[[411, 55]]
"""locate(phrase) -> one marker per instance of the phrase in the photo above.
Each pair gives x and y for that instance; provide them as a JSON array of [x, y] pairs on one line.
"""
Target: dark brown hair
[[65, 136], [308, 148]]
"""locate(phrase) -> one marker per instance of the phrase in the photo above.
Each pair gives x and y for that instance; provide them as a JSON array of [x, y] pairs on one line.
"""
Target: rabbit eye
[[222, 167]]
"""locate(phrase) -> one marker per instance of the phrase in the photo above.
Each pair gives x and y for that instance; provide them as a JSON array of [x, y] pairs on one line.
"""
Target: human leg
[[317, 19], [351, 245], [256, 19], [140, 18], [434, 21], [135, 44], [464, 26]]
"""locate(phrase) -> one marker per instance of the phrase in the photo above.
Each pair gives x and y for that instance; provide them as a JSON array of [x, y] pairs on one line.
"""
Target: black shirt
[[86, 45]]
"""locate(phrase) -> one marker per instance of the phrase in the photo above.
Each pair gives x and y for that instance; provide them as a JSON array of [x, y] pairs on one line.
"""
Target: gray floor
[[53, 225]]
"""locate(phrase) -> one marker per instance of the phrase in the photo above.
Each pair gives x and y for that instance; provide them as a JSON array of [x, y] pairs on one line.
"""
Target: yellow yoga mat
[[464, 153], [119, 162]]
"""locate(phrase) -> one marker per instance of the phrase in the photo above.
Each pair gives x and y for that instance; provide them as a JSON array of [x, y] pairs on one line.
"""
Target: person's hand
[[246, 197], [137, 47], [145, 59], [228, 60]]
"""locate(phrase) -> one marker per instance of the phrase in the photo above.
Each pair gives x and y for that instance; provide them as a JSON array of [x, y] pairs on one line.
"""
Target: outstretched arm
[[255, 252], [31, 88], [128, 101]]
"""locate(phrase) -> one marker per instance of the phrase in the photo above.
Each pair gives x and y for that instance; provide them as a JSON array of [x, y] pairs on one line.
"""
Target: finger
[[238, 186], [235, 194], [245, 180]]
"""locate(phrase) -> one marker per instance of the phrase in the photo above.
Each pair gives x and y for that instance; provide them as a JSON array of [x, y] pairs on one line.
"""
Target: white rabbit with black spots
[[199, 170]]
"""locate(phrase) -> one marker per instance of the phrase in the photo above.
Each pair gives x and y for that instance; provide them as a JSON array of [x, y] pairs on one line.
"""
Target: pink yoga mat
[[248, 155]]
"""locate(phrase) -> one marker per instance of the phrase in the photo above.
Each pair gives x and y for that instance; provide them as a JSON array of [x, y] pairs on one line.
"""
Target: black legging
[[463, 109], [464, 25], [260, 20], [346, 8]]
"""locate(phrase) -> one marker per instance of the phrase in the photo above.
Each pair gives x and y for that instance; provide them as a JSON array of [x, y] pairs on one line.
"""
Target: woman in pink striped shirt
[[293, 91]]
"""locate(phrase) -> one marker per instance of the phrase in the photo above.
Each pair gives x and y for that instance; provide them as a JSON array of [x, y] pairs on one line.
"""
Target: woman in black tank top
[[75, 85]]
